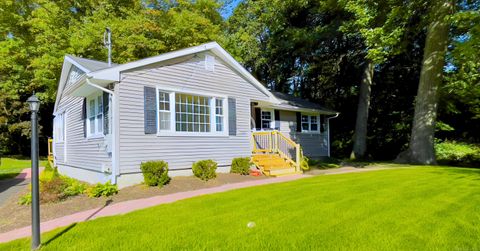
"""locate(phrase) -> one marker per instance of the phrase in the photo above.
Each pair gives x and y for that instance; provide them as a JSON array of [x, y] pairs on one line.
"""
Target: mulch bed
[[14, 216]]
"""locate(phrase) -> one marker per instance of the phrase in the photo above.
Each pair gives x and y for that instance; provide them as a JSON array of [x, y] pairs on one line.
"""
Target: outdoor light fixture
[[34, 104]]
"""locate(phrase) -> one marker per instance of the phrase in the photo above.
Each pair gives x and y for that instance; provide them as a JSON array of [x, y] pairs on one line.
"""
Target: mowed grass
[[416, 208], [12, 166]]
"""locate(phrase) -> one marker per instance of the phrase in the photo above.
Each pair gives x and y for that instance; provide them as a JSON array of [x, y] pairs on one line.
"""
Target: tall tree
[[421, 146], [381, 25]]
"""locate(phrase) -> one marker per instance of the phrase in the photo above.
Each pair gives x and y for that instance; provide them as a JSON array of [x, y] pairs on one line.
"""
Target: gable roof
[[84, 64], [112, 74], [290, 102]]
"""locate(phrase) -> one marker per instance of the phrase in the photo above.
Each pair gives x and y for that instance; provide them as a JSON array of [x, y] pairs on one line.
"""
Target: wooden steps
[[273, 165]]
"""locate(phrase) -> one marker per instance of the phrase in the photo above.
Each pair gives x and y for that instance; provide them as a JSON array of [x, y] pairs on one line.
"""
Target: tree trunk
[[360, 135], [421, 148]]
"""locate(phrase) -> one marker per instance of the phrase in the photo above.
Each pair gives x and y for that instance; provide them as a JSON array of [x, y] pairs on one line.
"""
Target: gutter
[[328, 131], [113, 106]]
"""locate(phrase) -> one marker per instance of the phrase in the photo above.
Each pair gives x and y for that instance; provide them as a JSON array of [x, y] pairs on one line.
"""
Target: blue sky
[[229, 7]]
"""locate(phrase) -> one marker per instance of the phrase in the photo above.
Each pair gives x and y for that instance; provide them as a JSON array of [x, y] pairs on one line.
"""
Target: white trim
[[272, 115], [113, 73], [310, 115], [65, 142], [328, 132], [97, 133], [212, 97]]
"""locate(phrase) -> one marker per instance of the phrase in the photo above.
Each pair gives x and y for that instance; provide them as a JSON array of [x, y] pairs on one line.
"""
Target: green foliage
[[48, 167], [205, 169], [74, 187], [413, 200], [458, 154], [324, 163], [304, 163], [241, 166], [155, 173], [99, 190], [25, 199], [36, 35]]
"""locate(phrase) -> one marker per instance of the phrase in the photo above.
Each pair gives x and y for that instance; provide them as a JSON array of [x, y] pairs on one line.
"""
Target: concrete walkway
[[10, 187], [132, 205]]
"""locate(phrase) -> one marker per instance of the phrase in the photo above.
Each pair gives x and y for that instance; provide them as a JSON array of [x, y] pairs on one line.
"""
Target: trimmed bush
[[457, 154], [99, 190], [205, 169], [155, 173], [48, 167], [52, 190], [241, 166]]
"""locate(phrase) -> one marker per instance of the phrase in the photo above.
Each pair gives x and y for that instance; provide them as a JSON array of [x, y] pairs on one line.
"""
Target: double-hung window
[[59, 128], [95, 115], [190, 113], [310, 123]]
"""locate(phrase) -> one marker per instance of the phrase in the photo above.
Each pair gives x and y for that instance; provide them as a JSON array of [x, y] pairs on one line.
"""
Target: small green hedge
[[241, 166], [205, 169], [155, 173], [457, 154]]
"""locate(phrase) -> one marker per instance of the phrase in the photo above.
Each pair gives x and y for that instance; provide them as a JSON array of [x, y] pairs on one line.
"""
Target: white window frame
[[212, 97], [310, 115], [272, 121], [97, 133], [59, 128]]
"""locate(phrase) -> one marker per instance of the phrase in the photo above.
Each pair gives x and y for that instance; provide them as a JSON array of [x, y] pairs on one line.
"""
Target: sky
[[229, 7]]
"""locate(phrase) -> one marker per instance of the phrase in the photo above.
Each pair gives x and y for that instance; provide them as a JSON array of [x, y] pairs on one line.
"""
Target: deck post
[[297, 157]]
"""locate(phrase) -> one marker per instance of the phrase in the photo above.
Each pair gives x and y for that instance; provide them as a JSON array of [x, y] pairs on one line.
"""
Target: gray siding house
[[180, 107]]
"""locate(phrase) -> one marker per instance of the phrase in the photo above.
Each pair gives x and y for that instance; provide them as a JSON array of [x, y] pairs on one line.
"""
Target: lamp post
[[34, 104]]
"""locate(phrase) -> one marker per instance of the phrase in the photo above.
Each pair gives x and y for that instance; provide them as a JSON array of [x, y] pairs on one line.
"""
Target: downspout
[[328, 131], [113, 177]]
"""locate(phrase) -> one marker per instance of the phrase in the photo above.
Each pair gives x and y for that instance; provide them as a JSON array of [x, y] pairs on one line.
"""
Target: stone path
[[132, 205], [10, 187]]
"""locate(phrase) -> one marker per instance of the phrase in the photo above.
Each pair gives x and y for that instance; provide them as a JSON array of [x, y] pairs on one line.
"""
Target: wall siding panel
[[181, 151]]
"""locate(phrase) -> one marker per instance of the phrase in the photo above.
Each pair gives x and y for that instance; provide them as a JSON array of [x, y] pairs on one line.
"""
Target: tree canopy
[[316, 50]]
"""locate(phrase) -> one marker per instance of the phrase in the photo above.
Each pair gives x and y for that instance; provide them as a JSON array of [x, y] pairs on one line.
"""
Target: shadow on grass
[[65, 230], [59, 234]]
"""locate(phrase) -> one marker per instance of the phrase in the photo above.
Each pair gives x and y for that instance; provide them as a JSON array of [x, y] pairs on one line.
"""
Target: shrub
[[52, 190], [457, 154], [241, 166], [155, 173], [99, 190], [74, 187], [26, 199], [205, 169]]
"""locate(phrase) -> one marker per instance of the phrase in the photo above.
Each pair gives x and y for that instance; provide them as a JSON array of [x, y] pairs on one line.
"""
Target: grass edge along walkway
[[132, 205]]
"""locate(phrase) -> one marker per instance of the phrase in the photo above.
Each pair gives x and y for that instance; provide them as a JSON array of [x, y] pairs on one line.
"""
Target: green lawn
[[12, 166], [415, 208]]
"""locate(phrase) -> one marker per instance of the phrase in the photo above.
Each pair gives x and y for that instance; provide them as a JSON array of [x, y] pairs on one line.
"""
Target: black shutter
[[106, 115], [258, 118], [277, 119], [232, 116], [299, 121], [150, 110], [84, 116], [322, 123]]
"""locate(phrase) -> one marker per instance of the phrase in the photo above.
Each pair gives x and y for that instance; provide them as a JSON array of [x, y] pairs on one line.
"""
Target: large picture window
[[310, 123], [190, 113], [95, 115]]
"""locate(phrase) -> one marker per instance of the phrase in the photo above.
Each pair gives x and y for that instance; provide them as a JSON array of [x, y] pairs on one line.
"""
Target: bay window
[[190, 113]]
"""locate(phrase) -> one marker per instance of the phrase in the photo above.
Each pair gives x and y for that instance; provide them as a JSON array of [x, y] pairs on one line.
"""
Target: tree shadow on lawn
[[459, 172], [65, 230]]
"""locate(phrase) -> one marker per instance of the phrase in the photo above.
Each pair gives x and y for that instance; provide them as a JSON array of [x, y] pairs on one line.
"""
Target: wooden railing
[[276, 142]]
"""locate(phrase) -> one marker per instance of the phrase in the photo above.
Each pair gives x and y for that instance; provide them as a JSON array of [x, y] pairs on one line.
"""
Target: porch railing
[[276, 142]]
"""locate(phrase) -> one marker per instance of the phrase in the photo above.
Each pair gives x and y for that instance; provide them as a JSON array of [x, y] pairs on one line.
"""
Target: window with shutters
[[189, 113], [310, 123], [95, 115]]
